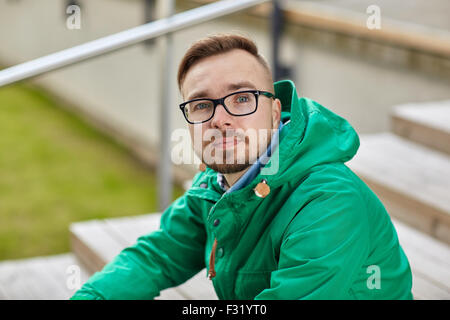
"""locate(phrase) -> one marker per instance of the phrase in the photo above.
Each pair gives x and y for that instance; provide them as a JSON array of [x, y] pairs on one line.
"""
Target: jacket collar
[[255, 168]]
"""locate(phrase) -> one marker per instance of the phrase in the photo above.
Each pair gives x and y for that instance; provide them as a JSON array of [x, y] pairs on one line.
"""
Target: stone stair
[[424, 123], [410, 169]]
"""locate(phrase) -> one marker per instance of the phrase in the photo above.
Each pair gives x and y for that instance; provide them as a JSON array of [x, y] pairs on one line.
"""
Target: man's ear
[[276, 113]]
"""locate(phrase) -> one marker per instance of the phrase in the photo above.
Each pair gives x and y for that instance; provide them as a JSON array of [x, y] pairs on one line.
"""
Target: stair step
[[41, 278], [429, 259], [411, 180], [97, 242], [425, 123]]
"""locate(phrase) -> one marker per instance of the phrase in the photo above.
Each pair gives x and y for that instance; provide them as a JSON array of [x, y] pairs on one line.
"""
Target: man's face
[[228, 143]]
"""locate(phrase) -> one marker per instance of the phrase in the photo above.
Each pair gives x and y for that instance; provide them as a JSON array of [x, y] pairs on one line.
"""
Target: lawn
[[55, 169]]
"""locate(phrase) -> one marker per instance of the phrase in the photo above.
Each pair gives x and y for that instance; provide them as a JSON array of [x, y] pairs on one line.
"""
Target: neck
[[231, 178]]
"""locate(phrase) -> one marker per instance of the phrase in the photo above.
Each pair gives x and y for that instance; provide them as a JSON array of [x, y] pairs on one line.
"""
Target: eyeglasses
[[241, 103]]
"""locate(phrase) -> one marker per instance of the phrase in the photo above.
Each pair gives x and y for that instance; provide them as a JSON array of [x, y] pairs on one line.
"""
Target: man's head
[[216, 67]]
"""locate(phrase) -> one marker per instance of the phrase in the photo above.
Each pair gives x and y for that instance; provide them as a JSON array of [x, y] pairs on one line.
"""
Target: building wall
[[121, 91]]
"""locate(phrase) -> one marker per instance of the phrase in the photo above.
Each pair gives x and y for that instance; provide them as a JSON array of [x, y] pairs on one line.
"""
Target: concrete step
[[97, 242], [41, 278], [411, 180], [425, 123], [101, 240]]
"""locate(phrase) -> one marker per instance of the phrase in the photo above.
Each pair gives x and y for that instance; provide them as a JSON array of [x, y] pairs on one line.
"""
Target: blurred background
[[84, 142]]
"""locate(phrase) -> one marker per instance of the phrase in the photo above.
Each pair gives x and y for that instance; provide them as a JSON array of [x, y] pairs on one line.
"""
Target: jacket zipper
[[212, 255]]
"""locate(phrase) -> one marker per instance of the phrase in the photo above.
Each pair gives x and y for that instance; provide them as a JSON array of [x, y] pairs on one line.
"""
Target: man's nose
[[221, 117]]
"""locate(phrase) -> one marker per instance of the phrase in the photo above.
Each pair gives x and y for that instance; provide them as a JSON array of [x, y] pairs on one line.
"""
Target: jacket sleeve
[[322, 250], [162, 259]]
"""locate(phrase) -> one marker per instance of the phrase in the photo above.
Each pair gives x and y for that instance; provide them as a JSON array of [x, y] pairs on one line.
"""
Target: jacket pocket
[[250, 283]]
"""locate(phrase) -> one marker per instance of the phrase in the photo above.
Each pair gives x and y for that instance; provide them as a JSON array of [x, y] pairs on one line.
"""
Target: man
[[289, 221]]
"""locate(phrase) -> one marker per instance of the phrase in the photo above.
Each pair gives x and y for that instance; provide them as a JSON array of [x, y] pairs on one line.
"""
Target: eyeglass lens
[[240, 103]]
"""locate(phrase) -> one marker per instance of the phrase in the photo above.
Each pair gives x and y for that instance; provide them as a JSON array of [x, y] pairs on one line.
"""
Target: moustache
[[217, 137]]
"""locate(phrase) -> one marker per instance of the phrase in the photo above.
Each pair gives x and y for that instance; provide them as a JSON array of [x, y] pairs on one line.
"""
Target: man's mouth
[[226, 142]]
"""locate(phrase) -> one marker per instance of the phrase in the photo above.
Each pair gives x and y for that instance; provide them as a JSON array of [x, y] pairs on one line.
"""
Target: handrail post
[[165, 163], [162, 27], [280, 71]]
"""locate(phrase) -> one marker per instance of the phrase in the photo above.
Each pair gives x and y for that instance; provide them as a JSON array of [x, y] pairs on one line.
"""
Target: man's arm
[[162, 259]]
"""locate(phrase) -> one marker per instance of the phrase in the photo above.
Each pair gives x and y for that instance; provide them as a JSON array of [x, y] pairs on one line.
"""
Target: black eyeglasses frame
[[221, 101]]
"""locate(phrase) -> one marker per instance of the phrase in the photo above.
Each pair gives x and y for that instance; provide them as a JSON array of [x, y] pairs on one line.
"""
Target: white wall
[[123, 88]]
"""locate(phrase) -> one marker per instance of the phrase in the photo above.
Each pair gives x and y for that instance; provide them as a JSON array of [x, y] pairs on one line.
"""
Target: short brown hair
[[214, 45]]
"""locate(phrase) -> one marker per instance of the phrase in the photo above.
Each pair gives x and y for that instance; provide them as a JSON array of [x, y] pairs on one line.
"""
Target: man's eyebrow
[[199, 94], [231, 87], [241, 84]]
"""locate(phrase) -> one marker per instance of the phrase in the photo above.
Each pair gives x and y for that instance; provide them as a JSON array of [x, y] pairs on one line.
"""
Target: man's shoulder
[[333, 177], [330, 189]]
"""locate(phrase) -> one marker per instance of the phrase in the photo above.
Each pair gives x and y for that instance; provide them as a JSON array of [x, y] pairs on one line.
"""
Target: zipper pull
[[212, 260]]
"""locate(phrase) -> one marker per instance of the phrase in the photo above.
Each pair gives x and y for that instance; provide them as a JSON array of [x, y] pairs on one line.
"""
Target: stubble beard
[[241, 161]]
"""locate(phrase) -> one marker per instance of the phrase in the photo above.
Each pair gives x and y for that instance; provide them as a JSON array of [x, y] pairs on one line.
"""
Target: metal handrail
[[123, 39], [165, 26]]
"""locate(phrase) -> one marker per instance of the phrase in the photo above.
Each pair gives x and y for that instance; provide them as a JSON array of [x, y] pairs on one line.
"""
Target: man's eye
[[242, 99], [201, 106]]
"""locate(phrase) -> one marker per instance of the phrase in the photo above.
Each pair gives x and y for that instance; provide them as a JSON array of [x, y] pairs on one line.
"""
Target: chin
[[228, 168]]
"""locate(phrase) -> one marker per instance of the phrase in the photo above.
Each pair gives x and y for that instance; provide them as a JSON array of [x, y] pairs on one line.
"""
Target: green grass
[[54, 170]]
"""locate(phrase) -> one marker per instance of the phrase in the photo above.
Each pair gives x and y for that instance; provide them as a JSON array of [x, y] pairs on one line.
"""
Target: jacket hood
[[314, 136]]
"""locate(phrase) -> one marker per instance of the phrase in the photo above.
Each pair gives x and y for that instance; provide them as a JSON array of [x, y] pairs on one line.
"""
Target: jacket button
[[220, 252], [216, 222], [262, 189]]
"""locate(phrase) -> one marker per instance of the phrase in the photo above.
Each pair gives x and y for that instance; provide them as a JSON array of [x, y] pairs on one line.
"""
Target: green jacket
[[320, 233]]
